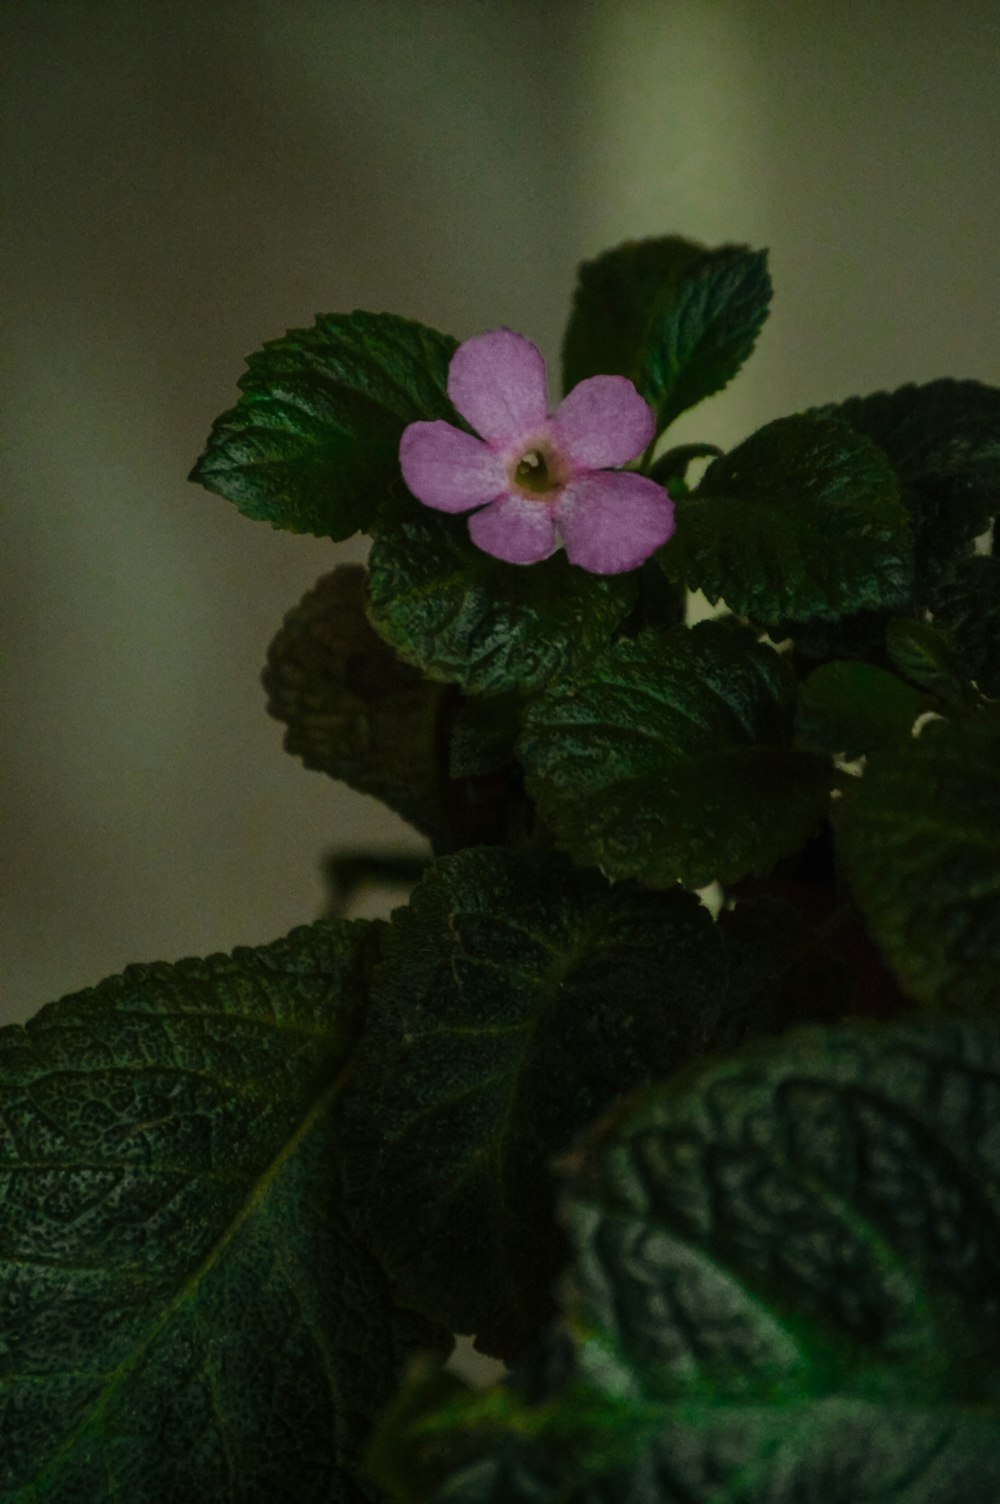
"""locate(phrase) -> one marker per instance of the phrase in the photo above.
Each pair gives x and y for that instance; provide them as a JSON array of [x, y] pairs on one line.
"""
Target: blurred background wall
[[183, 179]]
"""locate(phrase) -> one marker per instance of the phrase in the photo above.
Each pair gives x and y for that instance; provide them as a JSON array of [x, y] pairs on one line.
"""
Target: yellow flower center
[[532, 473]]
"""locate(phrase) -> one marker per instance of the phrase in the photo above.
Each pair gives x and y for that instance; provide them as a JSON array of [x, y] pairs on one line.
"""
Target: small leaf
[[313, 443], [802, 520], [676, 318], [848, 709], [943, 441], [920, 841], [352, 708], [491, 627], [182, 1304], [966, 605], [784, 1289], [924, 655], [670, 759], [518, 999]]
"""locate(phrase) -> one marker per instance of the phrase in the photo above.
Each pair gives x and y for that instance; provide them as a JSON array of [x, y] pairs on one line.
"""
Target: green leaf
[[181, 1304], [943, 441], [518, 998], [670, 759], [484, 735], [967, 606], [491, 627], [674, 317], [848, 709], [801, 520], [352, 709], [784, 1289], [313, 443], [920, 841], [926, 657]]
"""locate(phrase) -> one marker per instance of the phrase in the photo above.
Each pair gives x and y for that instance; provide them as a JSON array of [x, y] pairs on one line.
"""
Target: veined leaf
[[670, 759], [943, 441], [802, 520], [517, 1000], [352, 708], [182, 1304], [920, 841], [313, 443], [674, 317], [491, 627], [785, 1288]]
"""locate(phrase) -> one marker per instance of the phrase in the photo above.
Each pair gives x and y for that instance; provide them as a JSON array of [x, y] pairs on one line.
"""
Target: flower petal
[[603, 421], [497, 381], [612, 520], [520, 531], [448, 469]]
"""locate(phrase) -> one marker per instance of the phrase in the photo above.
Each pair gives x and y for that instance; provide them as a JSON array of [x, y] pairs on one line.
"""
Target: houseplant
[[677, 1081]]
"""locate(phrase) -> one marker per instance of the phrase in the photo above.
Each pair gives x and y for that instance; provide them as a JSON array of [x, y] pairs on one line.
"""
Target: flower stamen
[[532, 473]]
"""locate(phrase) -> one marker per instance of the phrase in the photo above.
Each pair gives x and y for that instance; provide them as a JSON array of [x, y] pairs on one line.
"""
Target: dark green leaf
[[670, 759], [181, 1305], [313, 443], [484, 735], [675, 318], [921, 843], [924, 655], [518, 998], [785, 1289], [848, 709], [801, 520], [352, 708], [491, 627], [943, 440], [967, 606]]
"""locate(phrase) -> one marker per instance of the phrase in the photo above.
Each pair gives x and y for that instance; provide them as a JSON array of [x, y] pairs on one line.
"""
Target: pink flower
[[536, 476]]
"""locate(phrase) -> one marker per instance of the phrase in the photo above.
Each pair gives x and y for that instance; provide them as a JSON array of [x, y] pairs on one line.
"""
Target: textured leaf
[[352, 709], [181, 1305], [943, 440], [967, 606], [675, 318], [313, 443], [785, 1289], [517, 999], [491, 627], [921, 843], [801, 520], [851, 708], [925, 656], [670, 759]]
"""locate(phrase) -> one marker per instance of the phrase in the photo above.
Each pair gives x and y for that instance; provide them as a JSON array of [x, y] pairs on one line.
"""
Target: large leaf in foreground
[[313, 443], [943, 441], [517, 999], [920, 840], [669, 759], [352, 708], [491, 627], [182, 1306], [802, 520], [785, 1289], [674, 317]]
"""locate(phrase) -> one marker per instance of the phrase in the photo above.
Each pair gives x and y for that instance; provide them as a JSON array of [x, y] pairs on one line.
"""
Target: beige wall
[[184, 180]]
